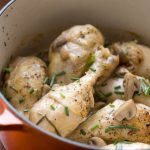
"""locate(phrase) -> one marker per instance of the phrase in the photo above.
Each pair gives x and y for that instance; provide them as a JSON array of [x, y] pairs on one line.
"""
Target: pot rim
[[25, 120]]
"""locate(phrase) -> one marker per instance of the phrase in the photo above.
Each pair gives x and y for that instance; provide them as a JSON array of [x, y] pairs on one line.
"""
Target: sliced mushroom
[[121, 71], [96, 141], [131, 84], [127, 110]]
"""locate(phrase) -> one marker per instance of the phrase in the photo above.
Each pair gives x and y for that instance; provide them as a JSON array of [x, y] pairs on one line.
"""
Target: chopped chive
[[75, 78], [21, 100], [119, 76], [52, 107], [54, 77], [82, 132], [13, 88], [91, 60], [62, 95], [94, 70], [52, 80], [137, 93], [104, 84], [94, 127], [8, 97], [119, 92], [103, 64], [100, 95], [108, 94], [25, 110], [66, 111], [113, 127], [126, 51], [60, 73], [111, 105], [31, 90], [117, 87], [7, 70], [46, 80]]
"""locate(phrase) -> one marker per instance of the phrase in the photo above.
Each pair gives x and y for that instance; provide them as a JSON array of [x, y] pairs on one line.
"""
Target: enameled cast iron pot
[[29, 25]]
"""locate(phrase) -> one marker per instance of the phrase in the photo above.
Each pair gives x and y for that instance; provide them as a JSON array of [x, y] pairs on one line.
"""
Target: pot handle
[[7, 118]]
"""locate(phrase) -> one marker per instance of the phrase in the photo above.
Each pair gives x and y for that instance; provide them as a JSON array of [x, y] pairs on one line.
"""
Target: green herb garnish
[[46, 80], [94, 127], [126, 51], [62, 95], [113, 127], [60, 73], [25, 110], [111, 105], [94, 70], [137, 93], [7, 70], [8, 97], [100, 95], [145, 86], [52, 107], [75, 78], [66, 111], [52, 80], [21, 100], [117, 87], [31, 90], [91, 60], [82, 132], [103, 64], [108, 94], [54, 77], [119, 92]]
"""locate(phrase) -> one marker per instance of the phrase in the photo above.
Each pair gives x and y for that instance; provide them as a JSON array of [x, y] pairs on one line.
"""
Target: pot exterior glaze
[[28, 26]]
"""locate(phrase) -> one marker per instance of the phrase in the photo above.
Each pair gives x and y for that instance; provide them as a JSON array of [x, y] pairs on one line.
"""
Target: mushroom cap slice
[[127, 110]]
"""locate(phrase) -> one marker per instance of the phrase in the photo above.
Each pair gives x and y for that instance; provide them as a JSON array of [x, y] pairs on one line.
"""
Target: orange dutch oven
[[29, 25]]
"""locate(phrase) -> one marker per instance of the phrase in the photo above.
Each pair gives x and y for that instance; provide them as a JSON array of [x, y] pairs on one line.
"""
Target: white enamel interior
[[45, 19]]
